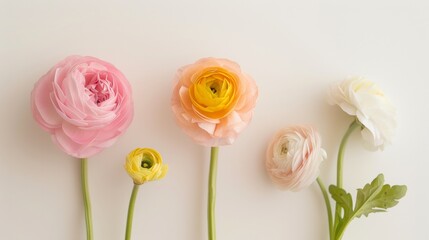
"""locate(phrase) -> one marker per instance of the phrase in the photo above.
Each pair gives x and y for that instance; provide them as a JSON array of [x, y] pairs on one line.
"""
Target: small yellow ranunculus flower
[[145, 164]]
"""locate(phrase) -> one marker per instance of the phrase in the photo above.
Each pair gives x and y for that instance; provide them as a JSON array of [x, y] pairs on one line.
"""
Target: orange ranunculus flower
[[213, 100]]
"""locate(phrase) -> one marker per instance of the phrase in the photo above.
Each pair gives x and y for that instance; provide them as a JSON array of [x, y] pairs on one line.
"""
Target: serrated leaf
[[372, 198], [343, 199], [385, 198], [367, 194]]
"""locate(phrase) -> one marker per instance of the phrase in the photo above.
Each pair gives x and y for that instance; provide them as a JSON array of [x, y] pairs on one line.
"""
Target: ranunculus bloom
[[363, 99], [294, 156], [213, 100], [145, 164], [84, 103]]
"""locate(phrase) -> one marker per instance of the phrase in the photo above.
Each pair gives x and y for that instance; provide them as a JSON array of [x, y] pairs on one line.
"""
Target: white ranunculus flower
[[363, 99], [294, 156]]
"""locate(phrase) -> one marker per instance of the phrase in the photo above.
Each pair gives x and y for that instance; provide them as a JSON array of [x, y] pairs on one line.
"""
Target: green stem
[[131, 212], [212, 193], [86, 198], [341, 232], [328, 206], [354, 125]]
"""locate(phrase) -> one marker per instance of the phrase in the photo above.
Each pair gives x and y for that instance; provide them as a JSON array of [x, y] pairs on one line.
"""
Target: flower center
[[214, 92], [366, 85], [283, 149], [146, 163], [99, 86]]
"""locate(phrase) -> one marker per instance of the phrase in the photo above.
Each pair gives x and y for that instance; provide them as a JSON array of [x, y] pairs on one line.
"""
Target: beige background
[[293, 49]]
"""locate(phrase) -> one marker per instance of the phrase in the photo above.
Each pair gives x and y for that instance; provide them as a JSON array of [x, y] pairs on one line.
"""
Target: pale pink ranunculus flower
[[84, 103], [213, 101], [294, 156], [362, 98]]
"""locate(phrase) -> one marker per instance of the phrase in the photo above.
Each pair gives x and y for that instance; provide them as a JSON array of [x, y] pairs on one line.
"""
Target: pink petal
[[43, 110]]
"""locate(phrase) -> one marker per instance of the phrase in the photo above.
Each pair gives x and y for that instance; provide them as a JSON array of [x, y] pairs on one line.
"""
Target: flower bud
[[145, 164]]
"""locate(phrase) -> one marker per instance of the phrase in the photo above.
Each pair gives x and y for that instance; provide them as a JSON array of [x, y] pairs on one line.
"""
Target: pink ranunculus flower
[[294, 156], [84, 103], [213, 100]]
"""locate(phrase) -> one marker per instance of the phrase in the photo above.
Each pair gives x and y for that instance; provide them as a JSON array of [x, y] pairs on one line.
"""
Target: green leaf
[[376, 197], [367, 194], [372, 198], [343, 199]]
